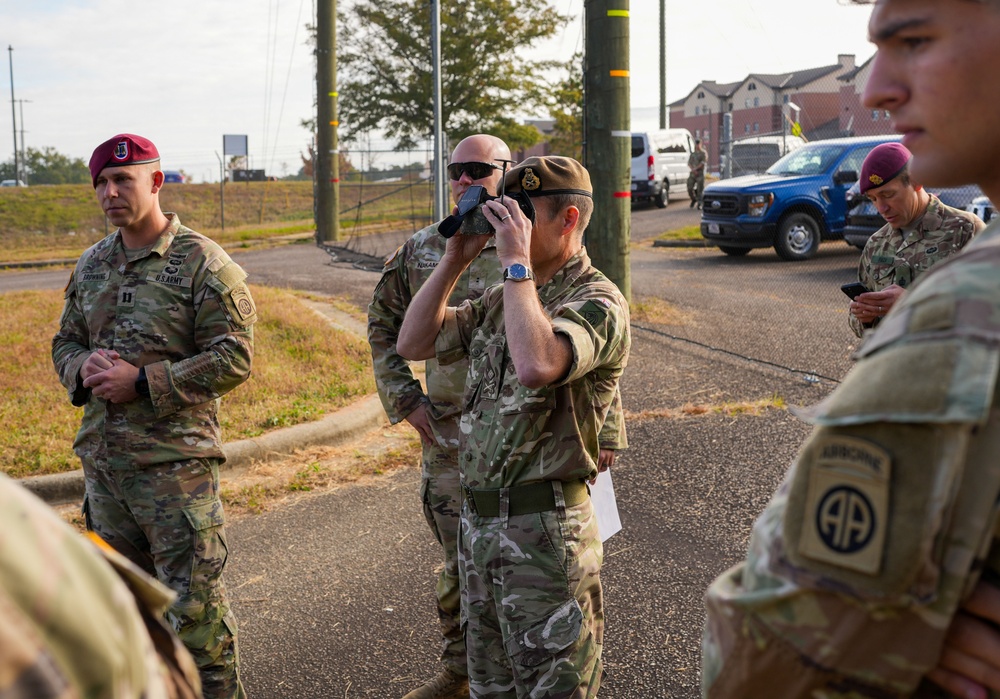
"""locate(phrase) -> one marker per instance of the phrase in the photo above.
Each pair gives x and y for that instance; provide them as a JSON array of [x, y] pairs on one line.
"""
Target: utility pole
[[440, 202], [327, 166], [13, 113], [607, 137], [663, 64], [24, 158]]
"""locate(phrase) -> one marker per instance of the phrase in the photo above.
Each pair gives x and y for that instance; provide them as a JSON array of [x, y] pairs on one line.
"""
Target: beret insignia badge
[[875, 179], [121, 150], [530, 181]]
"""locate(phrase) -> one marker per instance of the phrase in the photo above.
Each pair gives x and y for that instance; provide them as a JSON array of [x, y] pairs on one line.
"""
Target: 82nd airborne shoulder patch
[[847, 504]]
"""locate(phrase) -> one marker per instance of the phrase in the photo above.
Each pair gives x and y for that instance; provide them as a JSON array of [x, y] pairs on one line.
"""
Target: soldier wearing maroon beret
[[157, 325], [919, 232]]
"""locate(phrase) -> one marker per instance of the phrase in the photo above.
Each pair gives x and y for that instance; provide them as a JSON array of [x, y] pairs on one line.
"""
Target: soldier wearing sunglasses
[[476, 160]]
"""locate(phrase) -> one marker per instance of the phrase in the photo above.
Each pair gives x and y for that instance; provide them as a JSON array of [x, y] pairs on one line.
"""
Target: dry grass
[[650, 309], [319, 469], [303, 369], [61, 221], [683, 233], [755, 407]]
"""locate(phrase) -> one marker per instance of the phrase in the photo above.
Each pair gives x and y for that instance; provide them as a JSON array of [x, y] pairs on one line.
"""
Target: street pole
[[24, 158], [222, 186], [607, 137], [327, 166], [663, 64], [440, 203], [13, 113]]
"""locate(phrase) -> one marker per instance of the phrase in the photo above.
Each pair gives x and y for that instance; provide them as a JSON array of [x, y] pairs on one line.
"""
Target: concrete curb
[[37, 263], [346, 424], [682, 244]]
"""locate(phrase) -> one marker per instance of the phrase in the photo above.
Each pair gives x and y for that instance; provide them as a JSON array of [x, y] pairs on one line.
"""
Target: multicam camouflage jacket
[[79, 621], [183, 311], [512, 434], [403, 275], [894, 256], [888, 517]]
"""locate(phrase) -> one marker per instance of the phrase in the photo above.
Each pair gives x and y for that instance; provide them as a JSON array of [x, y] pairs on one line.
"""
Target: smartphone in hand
[[854, 289]]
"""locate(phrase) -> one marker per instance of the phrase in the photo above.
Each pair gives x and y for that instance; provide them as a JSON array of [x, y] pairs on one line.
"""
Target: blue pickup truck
[[798, 202]]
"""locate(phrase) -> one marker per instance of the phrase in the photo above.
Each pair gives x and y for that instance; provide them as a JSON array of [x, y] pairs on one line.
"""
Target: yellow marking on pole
[[618, 73], [617, 13], [333, 94], [334, 123]]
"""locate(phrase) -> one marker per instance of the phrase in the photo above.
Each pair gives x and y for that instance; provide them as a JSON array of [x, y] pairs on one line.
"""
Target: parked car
[[863, 218], [756, 154], [659, 163], [12, 183], [798, 202], [173, 176]]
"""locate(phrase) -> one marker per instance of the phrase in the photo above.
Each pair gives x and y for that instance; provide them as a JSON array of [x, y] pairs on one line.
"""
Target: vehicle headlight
[[757, 206]]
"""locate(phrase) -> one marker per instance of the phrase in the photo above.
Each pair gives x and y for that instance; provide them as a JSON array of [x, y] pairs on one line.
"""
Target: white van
[[756, 154], [659, 163]]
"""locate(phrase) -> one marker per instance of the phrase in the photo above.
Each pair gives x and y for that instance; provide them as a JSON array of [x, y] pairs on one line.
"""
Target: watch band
[[142, 383], [518, 273]]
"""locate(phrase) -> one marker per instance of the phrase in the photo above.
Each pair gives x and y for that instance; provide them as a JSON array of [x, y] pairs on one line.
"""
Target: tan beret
[[549, 175]]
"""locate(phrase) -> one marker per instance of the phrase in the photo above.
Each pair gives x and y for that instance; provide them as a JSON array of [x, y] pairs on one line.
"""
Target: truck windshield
[[807, 160]]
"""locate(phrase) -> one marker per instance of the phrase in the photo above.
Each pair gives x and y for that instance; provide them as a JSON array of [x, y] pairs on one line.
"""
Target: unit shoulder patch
[[847, 504]]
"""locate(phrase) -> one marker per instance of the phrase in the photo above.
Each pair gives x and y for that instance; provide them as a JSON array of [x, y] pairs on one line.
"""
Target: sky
[[185, 72]]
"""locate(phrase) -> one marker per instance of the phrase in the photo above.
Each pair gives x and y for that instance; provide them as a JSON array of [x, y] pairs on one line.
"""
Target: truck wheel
[[663, 197], [798, 237], [734, 252]]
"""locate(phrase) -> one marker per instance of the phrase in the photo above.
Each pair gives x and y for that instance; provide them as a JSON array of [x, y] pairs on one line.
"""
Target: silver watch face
[[517, 272]]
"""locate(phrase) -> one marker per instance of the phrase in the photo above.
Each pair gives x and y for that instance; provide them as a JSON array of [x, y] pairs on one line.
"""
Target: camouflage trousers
[[532, 603], [695, 186], [441, 495], [168, 520]]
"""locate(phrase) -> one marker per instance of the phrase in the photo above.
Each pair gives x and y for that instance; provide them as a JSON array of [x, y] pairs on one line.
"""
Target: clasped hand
[[109, 376]]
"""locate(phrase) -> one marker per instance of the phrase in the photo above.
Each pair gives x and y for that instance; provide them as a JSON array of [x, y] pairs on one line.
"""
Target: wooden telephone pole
[[608, 138], [327, 160]]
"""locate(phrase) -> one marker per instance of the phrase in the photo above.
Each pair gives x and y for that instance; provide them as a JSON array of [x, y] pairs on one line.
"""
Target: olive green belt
[[525, 499]]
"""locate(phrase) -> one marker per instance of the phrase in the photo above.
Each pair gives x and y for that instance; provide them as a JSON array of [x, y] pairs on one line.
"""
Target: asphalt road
[[334, 591]]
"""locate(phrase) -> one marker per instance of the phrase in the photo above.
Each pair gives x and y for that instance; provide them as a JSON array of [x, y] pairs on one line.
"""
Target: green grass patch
[[685, 233], [302, 370], [61, 221]]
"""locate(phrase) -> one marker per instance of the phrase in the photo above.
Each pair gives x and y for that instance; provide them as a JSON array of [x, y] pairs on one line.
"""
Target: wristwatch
[[142, 383], [517, 273]]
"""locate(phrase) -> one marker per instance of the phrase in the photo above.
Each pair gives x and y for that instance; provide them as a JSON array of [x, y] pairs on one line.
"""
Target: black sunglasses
[[475, 170]]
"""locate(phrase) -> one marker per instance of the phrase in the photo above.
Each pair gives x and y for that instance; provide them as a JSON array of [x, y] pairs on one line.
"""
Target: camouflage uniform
[[182, 310], [441, 494], [897, 256], [531, 592], [76, 623], [889, 515], [696, 178]]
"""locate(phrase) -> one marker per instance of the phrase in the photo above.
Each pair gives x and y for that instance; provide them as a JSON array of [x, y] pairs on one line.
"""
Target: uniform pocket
[[534, 644], [208, 542]]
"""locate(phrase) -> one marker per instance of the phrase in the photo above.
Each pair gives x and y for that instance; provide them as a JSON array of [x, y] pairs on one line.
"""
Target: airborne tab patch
[[847, 504]]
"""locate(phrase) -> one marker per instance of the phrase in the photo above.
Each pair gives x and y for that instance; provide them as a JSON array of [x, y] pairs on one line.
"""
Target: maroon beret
[[884, 162], [123, 149]]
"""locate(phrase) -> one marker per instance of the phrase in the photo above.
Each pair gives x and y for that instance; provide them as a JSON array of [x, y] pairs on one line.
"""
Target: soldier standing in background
[[435, 415], [157, 325], [919, 232], [77, 620], [696, 178], [545, 350], [867, 573]]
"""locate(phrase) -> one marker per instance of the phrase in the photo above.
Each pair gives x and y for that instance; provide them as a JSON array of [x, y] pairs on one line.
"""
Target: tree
[[49, 166], [566, 109], [486, 74]]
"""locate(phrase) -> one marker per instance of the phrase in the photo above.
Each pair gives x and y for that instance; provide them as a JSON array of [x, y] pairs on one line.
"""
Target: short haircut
[[558, 202]]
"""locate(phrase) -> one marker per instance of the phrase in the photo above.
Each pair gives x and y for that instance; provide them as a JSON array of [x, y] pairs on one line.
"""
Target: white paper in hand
[[602, 495]]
